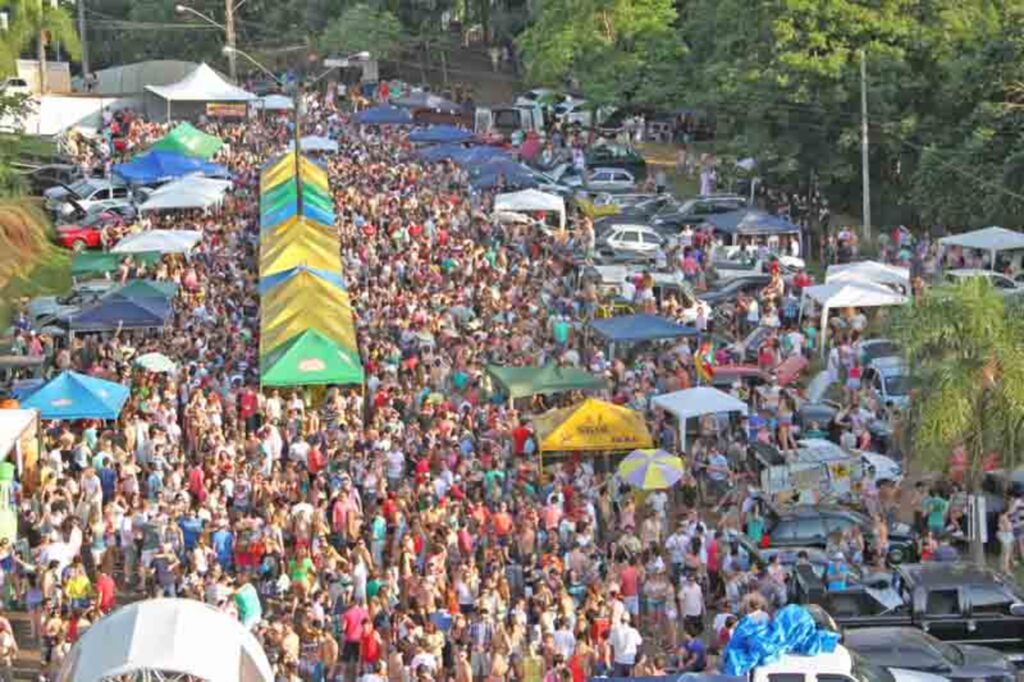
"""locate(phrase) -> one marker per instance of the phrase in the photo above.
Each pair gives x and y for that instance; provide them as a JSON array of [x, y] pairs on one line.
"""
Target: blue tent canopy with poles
[[382, 115], [159, 166], [71, 395], [475, 157], [441, 133], [630, 328], [114, 311], [749, 221], [505, 172]]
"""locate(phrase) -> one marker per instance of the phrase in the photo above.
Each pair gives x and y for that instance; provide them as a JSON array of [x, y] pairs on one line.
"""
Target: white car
[[631, 240], [1003, 285], [89, 194], [46, 310], [15, 86], [840, 665], [889, 378], [821, 450]]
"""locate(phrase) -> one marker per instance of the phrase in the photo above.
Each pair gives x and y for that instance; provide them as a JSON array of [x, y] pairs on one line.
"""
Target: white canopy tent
[[991, 239], [317, 143], [869, 271], [202, 85], [193, 191], [853, 294], [530, 200], [696, 402], [162, 639], [160, 241], [275, 103]]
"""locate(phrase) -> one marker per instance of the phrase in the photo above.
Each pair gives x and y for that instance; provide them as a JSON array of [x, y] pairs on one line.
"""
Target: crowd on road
[[403, 530]]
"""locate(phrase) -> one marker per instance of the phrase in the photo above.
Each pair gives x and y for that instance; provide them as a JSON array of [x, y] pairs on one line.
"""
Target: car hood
[[979, 659], [902, 675], [58, 192], [48, 305]]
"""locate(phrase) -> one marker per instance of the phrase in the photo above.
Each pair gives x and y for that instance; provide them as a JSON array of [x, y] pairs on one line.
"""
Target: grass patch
[[30, 263], [51, 274]]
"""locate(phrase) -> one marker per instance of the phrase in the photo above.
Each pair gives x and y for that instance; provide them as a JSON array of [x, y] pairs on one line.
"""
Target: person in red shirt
[[370, 645], [106, 592], [520, 434]]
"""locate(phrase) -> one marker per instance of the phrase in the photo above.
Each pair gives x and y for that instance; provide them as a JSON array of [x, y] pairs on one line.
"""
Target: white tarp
[[317, 143], [202, 85], [275, 103], [696, 402], [991, 239], [13, 423], [189, 192], [530, 200], [160, 241], [868, 271], [855, 294], [181, 636]]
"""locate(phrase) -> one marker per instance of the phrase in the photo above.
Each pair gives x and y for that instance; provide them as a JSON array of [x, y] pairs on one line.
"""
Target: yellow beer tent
[[283, 169], [329, 322], [292, 296], [592, 426], [309, 248], [295, 226]]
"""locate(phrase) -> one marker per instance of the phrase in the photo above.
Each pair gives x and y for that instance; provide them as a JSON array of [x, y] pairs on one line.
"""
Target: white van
[[840, 665]]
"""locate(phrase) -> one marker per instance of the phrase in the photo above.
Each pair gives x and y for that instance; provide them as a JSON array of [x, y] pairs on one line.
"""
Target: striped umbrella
[[651, 469]]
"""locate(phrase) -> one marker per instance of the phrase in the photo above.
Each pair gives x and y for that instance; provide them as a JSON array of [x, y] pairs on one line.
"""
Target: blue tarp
[[477, 157], [441, 152], [115, 311], [748, 221], [505, 172], [627, 328], [441, 133], [159, 166], [70, 395], [384, 116], [761, 640], [271, 281]]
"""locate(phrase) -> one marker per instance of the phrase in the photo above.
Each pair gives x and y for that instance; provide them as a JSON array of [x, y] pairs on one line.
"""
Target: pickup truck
[[960, 603]]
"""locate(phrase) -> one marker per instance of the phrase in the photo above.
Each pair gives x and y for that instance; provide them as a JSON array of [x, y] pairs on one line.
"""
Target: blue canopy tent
[[504, 172], [71, 395], [272, 281], [382, 116], [159, 166], [116, 311], [310, 210], [632, 328], [747, 222], [441, 133], [475, 157], [441, 152]]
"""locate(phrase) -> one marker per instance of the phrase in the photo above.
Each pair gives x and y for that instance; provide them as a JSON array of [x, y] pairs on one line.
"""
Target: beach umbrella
[[651, 469], [156, 362]]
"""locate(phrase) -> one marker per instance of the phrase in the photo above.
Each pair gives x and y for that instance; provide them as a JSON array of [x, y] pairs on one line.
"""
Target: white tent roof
[[130, 79], [868, 271], [694, 402], [12, 424], [530, 200], [275, 103], [182, 636], [855, 294], [193, 191], [161, 241], [202, 85], [986, 239], [317, 143]]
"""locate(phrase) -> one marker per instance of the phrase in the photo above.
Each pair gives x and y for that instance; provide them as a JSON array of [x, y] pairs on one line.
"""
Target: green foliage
[[362, 27], [615, 50], [967, 354], [29, 20]]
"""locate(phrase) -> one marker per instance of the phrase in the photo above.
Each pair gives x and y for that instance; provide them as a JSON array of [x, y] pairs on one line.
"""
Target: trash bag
[[760, 640]]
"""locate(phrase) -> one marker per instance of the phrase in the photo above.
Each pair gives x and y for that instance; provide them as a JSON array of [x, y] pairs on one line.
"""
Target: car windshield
[[882, 349], [948, 651], [897, 385], [83, 187], [867, 672]]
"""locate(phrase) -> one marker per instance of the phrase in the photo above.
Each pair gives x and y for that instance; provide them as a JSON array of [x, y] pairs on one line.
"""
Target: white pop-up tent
[[853, 294], [530, 200], [159, 241], [869, 271], [696, 402], [201, 86], [161, 639], [991, 239], [193, 191]]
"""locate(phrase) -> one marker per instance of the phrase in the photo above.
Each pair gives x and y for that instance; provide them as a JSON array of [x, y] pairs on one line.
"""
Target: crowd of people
[[403, 530]]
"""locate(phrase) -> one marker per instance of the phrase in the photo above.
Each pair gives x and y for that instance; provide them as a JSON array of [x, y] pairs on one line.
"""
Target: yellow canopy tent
[[287, 297], [293, 224], [314, 250], [311, 316], [592, 426], [284, 168]]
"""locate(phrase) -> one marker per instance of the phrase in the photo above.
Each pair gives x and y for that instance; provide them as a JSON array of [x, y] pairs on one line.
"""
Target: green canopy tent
[[522, 382], [286, 193], [311, 359], [91, 263], [187, 140], [146, 288]]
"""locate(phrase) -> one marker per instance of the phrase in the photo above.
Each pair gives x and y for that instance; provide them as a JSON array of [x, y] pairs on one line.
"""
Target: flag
[[704, 362]]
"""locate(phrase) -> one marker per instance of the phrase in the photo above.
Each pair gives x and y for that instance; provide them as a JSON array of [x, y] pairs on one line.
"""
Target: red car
[[88, 232]]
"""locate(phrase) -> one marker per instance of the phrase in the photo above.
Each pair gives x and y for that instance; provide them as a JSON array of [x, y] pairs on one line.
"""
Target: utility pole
[[229, 30], [866, 173], [83, 38]]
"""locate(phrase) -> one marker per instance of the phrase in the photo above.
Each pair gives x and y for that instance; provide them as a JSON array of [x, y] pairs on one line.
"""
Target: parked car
[[1005, 286], [579, 112], [870, 349], [889, 379], [732, 288], [805, 526], [40, 178], [916, 650], [542, 96], [88, 232], [693, 212], [958, 603], [47, 310], [608, 180], [89, 194], [636, 208], [840, 665], [13, 85], [617, 156], [630, 240]]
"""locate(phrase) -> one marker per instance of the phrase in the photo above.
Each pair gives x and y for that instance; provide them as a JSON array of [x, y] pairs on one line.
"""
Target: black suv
[[694, 212], [811, 527]]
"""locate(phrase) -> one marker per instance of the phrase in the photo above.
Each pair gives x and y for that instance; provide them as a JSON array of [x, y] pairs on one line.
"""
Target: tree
[[362, 27], [40, 22], [615, 50], [967, 353]]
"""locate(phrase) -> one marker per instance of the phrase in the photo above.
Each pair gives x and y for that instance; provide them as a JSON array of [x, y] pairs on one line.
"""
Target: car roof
[[808, 511], [883, 636], [609, 169], [890, 364], [949, 573], [973, 272]]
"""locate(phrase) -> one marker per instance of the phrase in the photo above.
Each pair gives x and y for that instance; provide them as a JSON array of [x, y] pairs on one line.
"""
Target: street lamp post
[[228, 27], [297, 94]]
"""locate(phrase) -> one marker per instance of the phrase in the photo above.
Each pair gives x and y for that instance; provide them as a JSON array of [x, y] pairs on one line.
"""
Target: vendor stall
[[159, 241], [869, 271], [592, 426], [523, 382], [71, 395], [848, 295], [991, 240], [697, 402], [531, 200]]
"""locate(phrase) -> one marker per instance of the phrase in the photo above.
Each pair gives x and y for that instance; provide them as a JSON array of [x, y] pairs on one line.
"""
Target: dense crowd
[[405, 530]]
